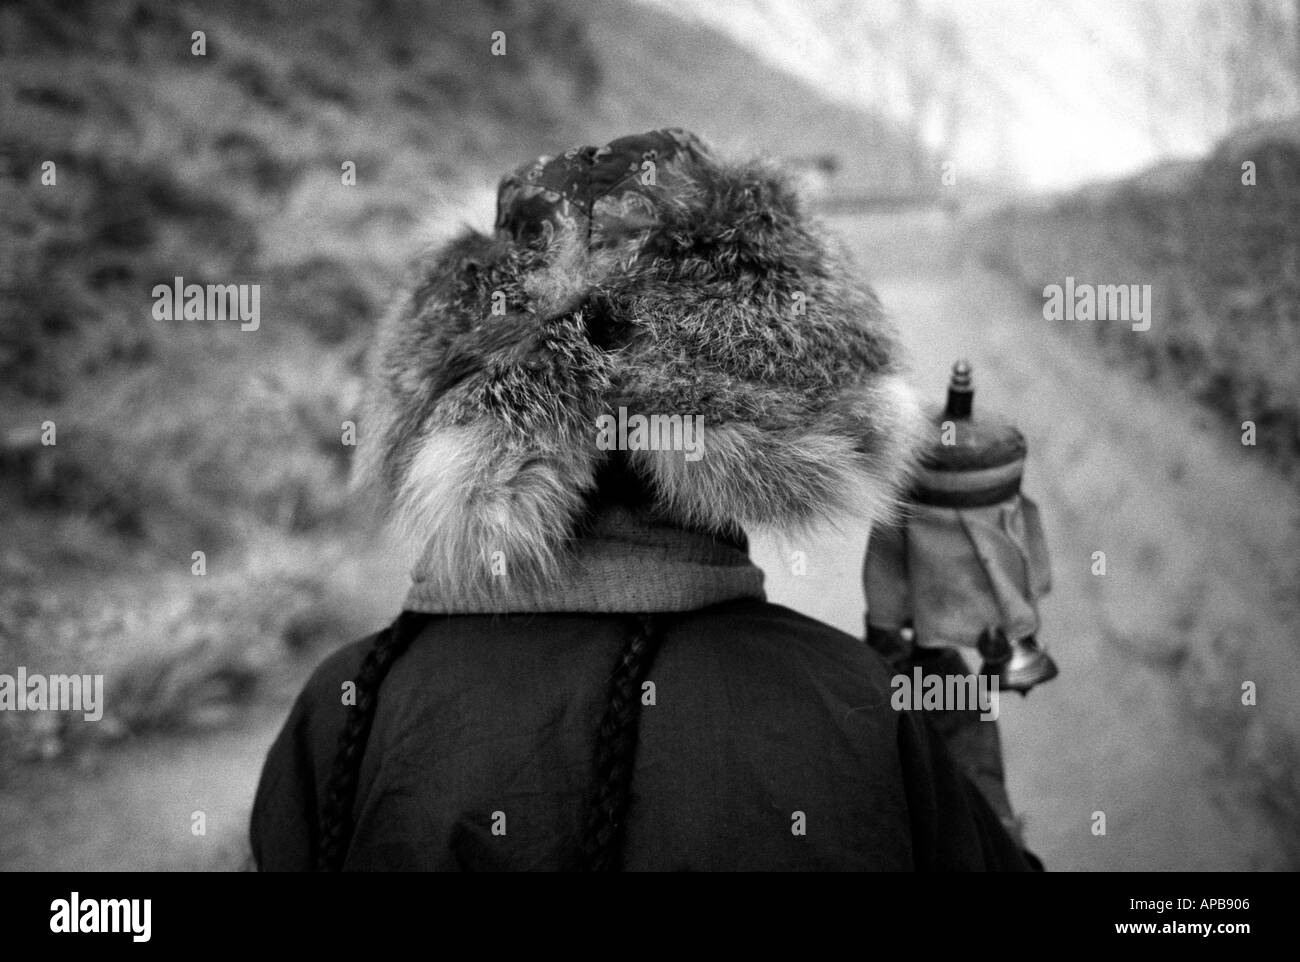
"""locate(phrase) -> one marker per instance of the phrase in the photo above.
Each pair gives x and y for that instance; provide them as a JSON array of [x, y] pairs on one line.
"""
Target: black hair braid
[[341, 791], [600, 848]]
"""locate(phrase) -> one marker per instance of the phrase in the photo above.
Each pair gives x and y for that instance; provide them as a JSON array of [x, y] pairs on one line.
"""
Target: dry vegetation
[[181, 436], [1223, 260]]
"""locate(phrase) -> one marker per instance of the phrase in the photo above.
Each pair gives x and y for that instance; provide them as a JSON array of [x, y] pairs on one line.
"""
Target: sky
[[1039, 94]]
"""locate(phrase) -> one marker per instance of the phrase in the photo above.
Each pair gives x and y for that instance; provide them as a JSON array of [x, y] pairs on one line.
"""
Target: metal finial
[[961, 391]]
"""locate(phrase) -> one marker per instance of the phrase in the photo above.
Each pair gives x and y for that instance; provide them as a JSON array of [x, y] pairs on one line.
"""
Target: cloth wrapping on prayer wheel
[[967, 564]]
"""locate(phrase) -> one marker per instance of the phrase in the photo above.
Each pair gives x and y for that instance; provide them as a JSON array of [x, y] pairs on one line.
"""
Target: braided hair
[[341, 790], [600, 845]]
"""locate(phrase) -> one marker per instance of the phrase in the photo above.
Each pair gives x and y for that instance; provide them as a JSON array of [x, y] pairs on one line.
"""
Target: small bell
[[1019, 665], [1028, 666]]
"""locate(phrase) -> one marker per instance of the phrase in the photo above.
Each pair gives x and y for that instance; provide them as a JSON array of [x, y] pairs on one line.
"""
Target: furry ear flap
[[478, 421], [849, 463], [489, 510], [748, 316]]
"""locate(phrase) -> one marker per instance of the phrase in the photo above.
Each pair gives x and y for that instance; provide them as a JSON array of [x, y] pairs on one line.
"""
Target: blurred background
[[969, 153]]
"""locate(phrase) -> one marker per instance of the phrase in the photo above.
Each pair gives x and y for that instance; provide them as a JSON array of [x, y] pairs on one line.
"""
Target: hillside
[[174, 437], [659, 70]]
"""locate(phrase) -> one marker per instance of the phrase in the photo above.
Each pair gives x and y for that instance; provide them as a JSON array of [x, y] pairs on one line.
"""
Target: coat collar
[[625, 560]]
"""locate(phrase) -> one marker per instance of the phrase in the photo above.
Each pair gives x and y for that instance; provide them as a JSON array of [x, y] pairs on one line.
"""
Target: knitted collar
[[625, 561]]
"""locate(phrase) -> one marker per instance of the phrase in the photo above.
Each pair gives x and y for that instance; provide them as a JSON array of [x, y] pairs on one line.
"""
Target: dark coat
[[759, 713]]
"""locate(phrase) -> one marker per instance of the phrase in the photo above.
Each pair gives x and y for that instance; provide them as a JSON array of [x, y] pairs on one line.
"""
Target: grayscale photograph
[[732, 436]]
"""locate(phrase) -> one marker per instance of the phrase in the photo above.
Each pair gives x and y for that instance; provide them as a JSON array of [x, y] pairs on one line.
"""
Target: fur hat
[[647, 276]]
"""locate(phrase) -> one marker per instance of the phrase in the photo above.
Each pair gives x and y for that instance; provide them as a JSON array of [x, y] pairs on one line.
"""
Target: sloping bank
[[1218, 240]]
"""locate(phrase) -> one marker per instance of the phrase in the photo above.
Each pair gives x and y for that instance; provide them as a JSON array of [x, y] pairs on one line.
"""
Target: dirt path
[[1202, 544], [130, 806]]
